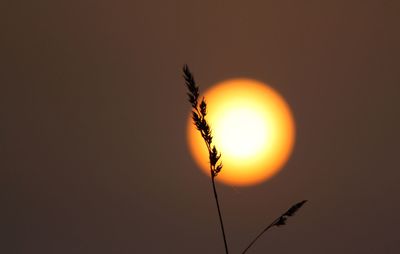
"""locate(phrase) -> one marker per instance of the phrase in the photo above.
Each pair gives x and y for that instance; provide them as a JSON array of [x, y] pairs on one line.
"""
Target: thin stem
[[219, 213], [259, 235]]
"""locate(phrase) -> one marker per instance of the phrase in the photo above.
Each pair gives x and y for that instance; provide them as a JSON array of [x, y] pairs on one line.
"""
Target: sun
[[253, 128]]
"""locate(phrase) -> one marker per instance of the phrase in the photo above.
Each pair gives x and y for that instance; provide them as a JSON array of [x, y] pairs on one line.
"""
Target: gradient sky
[[93, 107]]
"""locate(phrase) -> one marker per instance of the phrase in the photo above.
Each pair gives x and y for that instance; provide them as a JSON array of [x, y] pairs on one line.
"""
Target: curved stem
[[259, 235]]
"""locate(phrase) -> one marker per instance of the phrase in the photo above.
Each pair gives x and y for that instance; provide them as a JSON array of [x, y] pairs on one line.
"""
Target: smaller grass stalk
[[199, 112], [280, 221]]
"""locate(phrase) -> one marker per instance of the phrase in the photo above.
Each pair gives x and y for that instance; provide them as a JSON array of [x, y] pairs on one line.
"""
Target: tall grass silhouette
[[199, 112]]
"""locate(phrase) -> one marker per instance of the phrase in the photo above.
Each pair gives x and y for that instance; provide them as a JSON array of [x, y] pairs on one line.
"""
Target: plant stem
[[219, 213], [259, 235]]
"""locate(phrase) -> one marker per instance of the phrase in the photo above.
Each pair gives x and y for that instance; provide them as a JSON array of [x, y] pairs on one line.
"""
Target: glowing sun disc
[[253, 128]]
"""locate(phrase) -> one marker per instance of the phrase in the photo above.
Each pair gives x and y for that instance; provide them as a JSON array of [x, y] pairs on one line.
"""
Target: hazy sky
[[93, 156]]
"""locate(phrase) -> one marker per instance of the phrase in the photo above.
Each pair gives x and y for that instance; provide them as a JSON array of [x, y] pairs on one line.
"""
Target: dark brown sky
[[93, 157]]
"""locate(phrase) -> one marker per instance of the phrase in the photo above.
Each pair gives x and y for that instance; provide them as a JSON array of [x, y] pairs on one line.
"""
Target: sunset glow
[[253, 128]]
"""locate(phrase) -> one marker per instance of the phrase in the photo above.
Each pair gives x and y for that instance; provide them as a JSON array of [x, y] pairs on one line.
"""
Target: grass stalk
[[280, 221], [199, 111]]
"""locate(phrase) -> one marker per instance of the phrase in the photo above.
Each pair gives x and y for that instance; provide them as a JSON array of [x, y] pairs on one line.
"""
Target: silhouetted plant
[[280, 221], [199, 112]]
